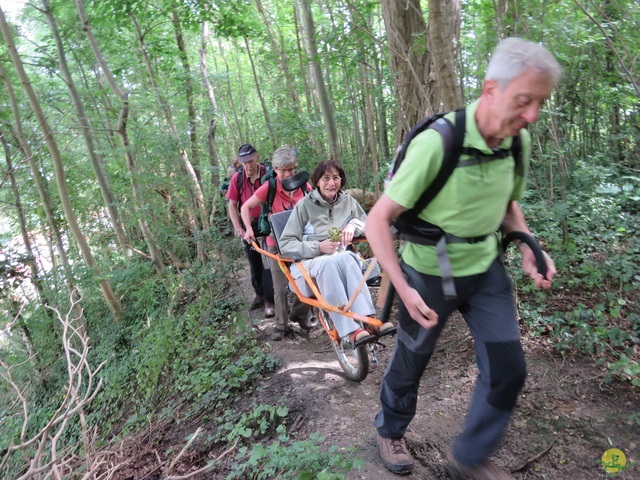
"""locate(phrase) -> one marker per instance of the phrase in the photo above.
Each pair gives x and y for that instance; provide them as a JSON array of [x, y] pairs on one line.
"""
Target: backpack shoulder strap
[[240, 182], [271, 192], [516, 151], [452, 139]]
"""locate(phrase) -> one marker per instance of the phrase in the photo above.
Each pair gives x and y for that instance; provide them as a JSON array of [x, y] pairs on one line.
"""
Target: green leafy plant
[[335, 233], [303, 459]]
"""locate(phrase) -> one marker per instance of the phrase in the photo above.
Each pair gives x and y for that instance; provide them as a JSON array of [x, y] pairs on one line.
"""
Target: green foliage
[[590, 237], [286, 459]]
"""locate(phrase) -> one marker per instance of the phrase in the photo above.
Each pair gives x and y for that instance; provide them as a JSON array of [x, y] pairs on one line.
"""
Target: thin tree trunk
[[130, 159], [230, 95], [325, 102], [370, 127], [296, 15], [265, 111], [188, 88], [197, 195], [39, 181], [97, 162], [282, 59], [211, 134], [85, 250]]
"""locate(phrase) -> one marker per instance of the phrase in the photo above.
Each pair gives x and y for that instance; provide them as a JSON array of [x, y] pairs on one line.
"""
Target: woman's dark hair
[[324, 167]]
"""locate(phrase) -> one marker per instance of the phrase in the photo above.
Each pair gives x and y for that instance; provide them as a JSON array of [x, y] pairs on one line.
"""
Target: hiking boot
[[277, 335], [394, 455], [482, 471], [269, 310], [257, 303]]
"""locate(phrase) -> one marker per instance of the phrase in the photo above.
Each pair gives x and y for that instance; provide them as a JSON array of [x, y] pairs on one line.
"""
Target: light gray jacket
[[311, 219]]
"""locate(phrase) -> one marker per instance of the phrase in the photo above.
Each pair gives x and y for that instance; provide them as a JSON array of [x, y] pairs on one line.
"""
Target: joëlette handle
[[533, 244]]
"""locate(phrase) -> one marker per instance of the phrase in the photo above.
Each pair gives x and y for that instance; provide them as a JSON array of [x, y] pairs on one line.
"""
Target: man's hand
[[239, 231], [531, 268], [418, 310], [248, 235]]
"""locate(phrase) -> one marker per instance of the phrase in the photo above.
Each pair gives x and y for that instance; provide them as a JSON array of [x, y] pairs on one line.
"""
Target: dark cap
[[245, 151]]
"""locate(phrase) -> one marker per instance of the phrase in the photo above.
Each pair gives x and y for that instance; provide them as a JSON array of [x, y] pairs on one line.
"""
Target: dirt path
[[567, 417]]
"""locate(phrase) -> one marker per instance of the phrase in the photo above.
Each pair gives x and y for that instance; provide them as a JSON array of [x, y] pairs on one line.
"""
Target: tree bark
[[65, 200], [188, 88], [96, 160], [444, 30], [410, 62], [212, 147], [130, 159], [325, 102], [196, 192], [265, 110]]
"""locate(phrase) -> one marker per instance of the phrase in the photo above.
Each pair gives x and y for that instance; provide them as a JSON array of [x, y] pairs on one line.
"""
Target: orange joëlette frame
[[318, 301]]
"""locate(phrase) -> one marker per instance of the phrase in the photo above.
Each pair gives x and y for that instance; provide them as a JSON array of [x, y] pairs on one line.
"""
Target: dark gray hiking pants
[[487, 305]]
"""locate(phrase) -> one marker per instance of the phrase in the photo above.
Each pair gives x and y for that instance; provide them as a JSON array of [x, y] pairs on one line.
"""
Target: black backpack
[[264, 169], [264, 227], [408, 226]]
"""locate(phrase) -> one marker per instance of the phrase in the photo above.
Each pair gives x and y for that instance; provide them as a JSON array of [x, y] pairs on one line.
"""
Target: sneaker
[[394, 455], [269, 310], [483, 471], [257, 303], [277, 335]]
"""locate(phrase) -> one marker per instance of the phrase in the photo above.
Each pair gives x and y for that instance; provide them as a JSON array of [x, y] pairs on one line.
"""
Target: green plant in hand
[[335, 233]]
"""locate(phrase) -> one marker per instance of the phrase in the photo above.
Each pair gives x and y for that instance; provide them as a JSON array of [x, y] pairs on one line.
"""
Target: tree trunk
[[265, 110], [196, 193], [410, 62], [130, 159], [281, 58], [39, 182], [65, 200], [188, 88], [85, 128], [325, 102], [212, 147], [230, 95], [370, 127], [444, 30]]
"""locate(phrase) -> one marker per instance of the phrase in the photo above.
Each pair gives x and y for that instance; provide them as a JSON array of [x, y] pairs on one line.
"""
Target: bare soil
[[566, 418]]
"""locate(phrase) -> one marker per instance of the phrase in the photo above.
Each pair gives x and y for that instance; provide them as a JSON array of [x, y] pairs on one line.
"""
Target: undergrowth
[[592, 307]]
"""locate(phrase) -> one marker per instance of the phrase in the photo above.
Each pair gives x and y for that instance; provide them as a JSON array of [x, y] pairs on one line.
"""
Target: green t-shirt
[[472, 203]]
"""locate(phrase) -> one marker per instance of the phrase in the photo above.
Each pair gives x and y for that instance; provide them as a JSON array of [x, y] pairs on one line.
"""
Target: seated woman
[[284, 164], [337, 271]]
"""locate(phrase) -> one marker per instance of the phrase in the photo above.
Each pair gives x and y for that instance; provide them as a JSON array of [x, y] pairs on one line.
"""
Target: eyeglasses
[[286, 170], [327, 179]]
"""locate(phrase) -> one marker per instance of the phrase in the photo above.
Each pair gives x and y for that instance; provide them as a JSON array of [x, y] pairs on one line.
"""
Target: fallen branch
[[529, 462], [206, 467]]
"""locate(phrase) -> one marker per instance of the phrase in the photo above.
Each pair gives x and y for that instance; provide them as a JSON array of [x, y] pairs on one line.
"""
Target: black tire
[[354, 362]]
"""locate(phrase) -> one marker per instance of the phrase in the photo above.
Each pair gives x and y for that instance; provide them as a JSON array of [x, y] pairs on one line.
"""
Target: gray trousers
[[487, 305], [299, 310], [337, 277]]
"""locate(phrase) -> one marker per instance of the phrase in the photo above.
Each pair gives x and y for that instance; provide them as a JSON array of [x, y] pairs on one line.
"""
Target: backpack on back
[[408, 226], [264, 227]]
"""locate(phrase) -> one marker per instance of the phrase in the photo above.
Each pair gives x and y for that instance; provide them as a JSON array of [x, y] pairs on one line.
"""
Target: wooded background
[[119, 118]]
